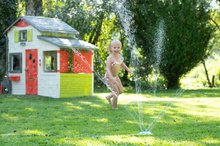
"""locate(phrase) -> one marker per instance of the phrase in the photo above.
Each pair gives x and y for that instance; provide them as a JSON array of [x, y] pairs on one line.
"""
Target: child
[[114, 63]]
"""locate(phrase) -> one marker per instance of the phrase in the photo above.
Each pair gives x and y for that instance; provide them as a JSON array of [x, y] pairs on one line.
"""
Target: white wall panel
[[48, 83]]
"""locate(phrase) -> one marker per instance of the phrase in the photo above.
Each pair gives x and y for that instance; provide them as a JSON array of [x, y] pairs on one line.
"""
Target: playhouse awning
[[69, 43]]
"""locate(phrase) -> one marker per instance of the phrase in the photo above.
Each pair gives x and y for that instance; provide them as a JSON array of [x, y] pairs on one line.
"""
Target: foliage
[[86, 16], [144, 25], [97, 24], [8, 15], [187, 30], [188, 42], [214, 43], [34, 7], [187, 34], [196, 77], [30, 7]]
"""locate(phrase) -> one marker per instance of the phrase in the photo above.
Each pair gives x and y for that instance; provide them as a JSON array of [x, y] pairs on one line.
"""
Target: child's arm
[[126, 68]]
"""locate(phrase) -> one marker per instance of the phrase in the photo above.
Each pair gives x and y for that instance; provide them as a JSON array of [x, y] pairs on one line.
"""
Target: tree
[[8, 16], [187, 34], [34, 7]]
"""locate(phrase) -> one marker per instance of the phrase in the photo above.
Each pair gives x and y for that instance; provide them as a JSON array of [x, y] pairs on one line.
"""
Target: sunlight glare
[[29, 109], [9, 117], [214, 4], [33, 132]]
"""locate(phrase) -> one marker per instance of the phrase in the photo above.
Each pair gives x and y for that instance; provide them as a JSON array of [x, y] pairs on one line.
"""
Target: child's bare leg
[[119, 85], [112, 95], [114, 102], [108, 98], [110, 86]]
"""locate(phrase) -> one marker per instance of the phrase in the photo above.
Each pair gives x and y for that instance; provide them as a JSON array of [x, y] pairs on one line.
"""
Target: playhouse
[[44, 57]]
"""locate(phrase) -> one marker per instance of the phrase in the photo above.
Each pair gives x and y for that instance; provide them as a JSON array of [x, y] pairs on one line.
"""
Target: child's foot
[[114, 108], [109, 100]]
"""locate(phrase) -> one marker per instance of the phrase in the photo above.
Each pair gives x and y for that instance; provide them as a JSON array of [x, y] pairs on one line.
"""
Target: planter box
[[14, 78]]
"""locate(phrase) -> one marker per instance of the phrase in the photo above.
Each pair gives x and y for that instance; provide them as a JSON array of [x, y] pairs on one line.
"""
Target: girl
[[114, 63]]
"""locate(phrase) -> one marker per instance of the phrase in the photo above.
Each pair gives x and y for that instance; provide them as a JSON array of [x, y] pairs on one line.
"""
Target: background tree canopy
[[8, 9], [187, 33], [188, 30]]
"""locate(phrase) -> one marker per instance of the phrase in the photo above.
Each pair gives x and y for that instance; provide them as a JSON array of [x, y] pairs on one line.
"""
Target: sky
[[214, 4]]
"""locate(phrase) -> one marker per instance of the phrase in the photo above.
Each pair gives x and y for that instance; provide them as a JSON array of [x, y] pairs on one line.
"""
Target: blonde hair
[[114, 42]]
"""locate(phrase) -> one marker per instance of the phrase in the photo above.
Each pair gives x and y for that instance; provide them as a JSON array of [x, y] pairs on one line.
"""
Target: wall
[[48, 83], [76, 84]]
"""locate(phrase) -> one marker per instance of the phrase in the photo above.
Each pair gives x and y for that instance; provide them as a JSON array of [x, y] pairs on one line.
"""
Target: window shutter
[[29, 35], [16, 36]]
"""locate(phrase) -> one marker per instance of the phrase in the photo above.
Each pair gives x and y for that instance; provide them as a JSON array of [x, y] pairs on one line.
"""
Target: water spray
[[159, 45], [126, 19]]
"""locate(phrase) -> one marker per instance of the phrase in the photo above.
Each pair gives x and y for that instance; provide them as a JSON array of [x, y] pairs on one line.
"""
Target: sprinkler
[[145, 133]]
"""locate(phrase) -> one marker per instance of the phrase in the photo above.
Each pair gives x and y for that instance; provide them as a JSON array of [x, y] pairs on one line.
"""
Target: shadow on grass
[[76, 121]]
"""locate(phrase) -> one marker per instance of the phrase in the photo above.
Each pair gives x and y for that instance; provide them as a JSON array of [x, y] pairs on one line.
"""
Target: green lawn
[[175, 117]]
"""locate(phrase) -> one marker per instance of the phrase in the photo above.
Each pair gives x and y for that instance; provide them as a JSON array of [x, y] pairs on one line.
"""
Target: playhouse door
[[31, 72]]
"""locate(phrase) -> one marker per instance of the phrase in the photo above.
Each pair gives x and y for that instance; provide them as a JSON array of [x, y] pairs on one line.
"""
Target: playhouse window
[[50, 61], [23, 35], [15, 63]]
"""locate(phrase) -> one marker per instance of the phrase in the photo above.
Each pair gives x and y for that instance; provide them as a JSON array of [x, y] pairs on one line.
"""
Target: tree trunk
[[213, 81], [97, 30], [173, 83], [207, 74], [34, 7]]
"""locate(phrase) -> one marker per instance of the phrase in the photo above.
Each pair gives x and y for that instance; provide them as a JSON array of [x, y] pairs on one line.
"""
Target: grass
[[175, 117]]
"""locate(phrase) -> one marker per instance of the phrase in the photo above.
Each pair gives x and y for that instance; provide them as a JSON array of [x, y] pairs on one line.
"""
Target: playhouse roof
[[45, 24], [68, 43]]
